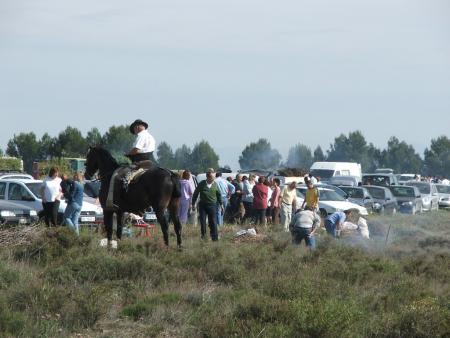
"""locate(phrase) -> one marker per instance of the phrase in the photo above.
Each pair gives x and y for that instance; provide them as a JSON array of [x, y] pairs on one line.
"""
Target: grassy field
[[59, 285]]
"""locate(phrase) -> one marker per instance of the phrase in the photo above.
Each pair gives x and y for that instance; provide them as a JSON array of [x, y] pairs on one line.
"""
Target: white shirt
[[52, 188], [144, 142]]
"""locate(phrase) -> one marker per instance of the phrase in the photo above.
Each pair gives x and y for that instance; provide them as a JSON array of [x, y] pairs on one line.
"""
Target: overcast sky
[[229, 72]]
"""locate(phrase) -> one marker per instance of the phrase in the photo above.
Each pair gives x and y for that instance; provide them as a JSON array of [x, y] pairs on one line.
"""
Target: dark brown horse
[[157, 188]]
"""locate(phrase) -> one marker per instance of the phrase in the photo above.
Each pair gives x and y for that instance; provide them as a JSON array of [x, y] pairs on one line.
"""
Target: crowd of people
[[259, 202]]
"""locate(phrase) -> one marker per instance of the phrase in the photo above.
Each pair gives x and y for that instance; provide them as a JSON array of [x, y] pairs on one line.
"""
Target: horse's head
[[91, 164]]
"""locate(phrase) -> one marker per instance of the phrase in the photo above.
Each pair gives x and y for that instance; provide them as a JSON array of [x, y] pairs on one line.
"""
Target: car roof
[[23, 180]]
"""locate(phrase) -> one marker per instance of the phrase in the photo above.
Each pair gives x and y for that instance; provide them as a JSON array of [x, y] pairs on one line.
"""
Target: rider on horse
[[144, 145]]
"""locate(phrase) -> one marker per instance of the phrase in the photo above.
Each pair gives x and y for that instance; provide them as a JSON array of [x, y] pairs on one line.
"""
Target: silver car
[[428, 191], [444, 195]]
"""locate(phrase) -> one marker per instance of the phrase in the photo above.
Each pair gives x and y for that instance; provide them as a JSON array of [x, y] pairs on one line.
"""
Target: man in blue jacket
[[74, 203]]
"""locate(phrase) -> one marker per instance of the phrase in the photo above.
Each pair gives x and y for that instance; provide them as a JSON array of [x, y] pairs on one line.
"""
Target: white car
[[15, 176], [330, 201], [26, 192]]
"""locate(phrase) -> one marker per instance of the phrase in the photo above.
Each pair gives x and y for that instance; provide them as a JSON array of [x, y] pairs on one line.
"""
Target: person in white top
[[51, 194], [144, 145]]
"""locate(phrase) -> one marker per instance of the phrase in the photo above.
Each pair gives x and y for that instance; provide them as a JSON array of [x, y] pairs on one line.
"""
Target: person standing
[[186, 196], [334, 222], [247, 196], [275, 201], [303, 226], [74, 203], [311, 197], [260, 192], [226, 190], [237, 208], [144, 145], [288, 199], [210, 198], [51, 194]]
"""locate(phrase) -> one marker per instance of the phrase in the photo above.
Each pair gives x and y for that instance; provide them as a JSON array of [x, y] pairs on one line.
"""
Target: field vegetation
[[58, 285]]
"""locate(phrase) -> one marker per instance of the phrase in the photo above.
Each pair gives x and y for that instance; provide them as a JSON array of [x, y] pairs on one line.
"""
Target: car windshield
[[353, 192], [322, 173], [35, 187], [402, 191], [376, 192], [376, 180], [423, 187], [443, 189]]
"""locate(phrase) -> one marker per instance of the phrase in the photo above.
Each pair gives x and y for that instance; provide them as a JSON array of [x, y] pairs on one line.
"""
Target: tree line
[[398, 155]]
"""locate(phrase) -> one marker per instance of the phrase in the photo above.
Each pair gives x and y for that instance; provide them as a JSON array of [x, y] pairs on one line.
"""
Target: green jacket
[[207, 195]]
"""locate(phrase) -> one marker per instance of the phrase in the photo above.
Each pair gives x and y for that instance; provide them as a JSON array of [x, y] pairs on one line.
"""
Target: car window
[[35, 188], [443, 189], [376, 193], [330, 195], [376, 180], [353, 192], [2, 190], [402, 191], [17, 192], [424, 188]]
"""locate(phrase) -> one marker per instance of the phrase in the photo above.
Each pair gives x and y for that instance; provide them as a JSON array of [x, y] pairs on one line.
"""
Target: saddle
[[121, 180]]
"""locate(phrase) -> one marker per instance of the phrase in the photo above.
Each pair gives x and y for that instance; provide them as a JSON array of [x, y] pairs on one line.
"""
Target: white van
[[326, 170]]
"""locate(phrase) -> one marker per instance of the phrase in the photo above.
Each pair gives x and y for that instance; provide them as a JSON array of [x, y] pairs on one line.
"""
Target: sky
[[228, 72]]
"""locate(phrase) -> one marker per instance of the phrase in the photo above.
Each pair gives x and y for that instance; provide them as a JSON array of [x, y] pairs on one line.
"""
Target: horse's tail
[[176, 192]]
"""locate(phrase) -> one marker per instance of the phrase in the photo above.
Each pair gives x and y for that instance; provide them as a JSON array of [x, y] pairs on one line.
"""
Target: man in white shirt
[[144, 145]]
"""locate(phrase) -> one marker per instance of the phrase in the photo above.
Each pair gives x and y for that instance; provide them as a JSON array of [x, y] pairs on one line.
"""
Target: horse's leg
[[163, 223], [108, 221], [119, 225], [174, 207]]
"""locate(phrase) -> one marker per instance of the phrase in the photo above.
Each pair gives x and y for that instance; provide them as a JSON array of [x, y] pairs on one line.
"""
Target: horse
[[157, 187]]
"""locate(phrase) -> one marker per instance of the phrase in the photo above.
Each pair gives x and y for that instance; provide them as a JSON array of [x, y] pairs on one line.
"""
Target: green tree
[[25, 146], [259, 155], [47, 147], [118, 140], [182, 158], [319, 156], [401, 157], [165, 155], [353, 148], [70, 143], [437, 157], [203, 157], [299, 157], [374, 158], [1, 152], [93, 137]]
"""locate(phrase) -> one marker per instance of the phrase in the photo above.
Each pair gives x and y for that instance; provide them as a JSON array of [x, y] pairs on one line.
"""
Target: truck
[[326, 170]]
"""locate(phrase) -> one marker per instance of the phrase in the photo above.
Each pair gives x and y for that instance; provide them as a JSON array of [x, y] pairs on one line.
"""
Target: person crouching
[[303, 226]]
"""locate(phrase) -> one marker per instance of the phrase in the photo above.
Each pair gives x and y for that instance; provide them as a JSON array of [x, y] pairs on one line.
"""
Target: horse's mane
[[105, 154]]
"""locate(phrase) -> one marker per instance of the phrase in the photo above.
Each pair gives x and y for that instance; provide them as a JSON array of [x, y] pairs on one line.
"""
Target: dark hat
[[136, 123]]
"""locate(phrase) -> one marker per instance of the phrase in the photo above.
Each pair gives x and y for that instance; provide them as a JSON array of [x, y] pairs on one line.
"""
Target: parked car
[[15, 214], [360, 196], [444, 195], [383, 200], [26, 192], [408, 198], [383, 180], [351, 181], [330, 201], [326, 170], [430, 197]]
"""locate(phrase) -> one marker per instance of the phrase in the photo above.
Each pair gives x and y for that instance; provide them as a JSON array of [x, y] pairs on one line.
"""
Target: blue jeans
[[71, 215], [331, 228], [298, 234], [219, 218]]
